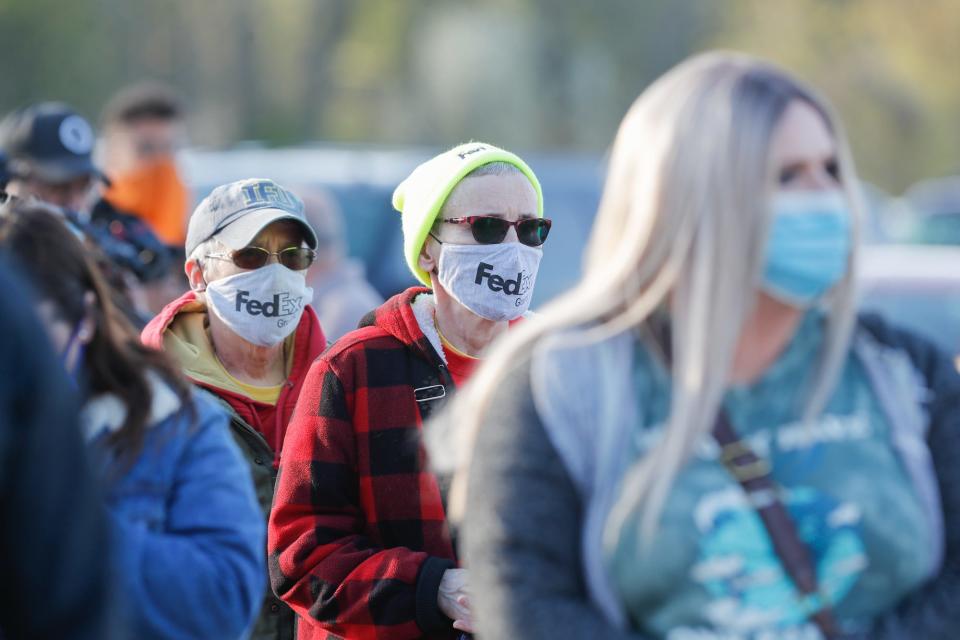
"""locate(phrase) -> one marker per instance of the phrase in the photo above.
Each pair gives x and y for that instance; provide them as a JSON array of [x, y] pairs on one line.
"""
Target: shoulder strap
[[904, 393], [753, 474], [431, 384]]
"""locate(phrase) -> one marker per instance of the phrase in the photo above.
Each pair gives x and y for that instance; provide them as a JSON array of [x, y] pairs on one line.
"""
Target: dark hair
[[766, 83], [61, 270], [143, 101]]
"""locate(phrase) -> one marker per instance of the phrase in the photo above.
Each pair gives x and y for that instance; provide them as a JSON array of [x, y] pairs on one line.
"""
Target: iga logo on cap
[[76, 135]]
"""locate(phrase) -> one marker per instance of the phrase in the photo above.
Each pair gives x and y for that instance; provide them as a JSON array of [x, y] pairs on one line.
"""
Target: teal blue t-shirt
[[711, 573]]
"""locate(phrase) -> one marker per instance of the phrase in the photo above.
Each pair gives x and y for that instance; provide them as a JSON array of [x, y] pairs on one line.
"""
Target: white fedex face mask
[[262, 306], [494, 281]]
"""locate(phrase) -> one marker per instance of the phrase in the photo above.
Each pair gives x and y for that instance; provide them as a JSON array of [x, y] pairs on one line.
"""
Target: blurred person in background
[[53, 532], [49, 148], [158, 293], [702, 439], [4, 173], [142, 128], [187, 534], [246, 331], [341, 293], [358, 538]]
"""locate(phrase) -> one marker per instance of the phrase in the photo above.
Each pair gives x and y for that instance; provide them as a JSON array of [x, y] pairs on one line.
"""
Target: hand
[[453, 599]]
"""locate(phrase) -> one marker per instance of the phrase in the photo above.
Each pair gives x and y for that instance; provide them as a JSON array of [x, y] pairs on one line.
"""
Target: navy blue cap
[[49, 141]]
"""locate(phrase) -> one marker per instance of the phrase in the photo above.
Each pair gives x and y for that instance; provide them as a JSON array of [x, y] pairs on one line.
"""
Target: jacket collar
[[106, 413], [410, 317], [308, 340], [424, 308], [405, 316]]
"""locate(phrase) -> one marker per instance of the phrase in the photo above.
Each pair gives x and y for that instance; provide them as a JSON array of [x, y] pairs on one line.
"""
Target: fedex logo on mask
[[497, 283], [282, 304]]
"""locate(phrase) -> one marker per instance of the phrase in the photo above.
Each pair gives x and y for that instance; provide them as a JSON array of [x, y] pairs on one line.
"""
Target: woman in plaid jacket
[[358, 540]]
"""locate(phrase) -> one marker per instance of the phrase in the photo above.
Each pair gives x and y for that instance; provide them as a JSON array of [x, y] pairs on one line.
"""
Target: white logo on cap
[[76, 135]]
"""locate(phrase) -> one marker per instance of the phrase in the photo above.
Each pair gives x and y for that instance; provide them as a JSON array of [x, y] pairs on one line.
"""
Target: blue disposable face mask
[[808, 247]]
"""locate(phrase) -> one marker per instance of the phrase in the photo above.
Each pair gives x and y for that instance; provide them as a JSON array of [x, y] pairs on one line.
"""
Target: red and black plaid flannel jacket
[[358, 539]]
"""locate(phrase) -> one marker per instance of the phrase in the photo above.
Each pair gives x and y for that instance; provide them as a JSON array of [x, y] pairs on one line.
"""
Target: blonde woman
[[702, 439]]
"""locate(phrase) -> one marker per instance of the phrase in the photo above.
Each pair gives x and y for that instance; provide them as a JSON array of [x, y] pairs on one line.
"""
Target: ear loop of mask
[[81, 351], [436, 267], [202, 279]]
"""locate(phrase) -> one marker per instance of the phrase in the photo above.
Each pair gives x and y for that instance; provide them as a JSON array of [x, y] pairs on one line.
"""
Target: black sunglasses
[[492, 230], [295, 258]]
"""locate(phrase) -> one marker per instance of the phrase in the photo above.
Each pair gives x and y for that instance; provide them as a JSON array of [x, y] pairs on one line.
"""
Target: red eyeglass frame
[[544, 223]]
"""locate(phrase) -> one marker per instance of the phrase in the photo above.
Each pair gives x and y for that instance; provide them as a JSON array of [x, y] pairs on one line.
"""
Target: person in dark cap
[[49, 148]]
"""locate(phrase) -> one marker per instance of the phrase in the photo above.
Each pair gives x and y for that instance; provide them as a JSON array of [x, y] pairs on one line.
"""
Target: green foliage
[[525, 73]]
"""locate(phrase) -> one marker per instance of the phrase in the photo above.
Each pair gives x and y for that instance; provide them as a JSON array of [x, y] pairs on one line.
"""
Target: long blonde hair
[[684, 214]]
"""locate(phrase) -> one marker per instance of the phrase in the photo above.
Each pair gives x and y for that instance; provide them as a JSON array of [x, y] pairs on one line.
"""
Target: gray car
[[916, 287]]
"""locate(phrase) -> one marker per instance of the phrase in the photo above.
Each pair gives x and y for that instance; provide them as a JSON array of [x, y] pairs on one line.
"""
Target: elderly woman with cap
[[245, 331], [358, 538]]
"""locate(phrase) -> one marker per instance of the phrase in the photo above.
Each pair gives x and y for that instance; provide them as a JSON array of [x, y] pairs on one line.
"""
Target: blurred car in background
[[878, 204], [362, 180], [928, 213], [916, 287]]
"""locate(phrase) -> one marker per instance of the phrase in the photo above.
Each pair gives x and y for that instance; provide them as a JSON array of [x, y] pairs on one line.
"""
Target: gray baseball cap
[[235, 213]]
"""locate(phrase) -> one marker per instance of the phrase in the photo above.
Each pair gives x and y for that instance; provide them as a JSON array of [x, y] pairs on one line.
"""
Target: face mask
[[494, 281], [262, 306], [156, 195], [808, 247]]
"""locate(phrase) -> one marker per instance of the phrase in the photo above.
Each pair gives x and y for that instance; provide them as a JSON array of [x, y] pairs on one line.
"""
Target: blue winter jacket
[[188, 533]]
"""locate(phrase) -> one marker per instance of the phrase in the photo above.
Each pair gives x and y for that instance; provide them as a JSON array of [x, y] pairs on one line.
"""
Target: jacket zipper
[[248, 432]]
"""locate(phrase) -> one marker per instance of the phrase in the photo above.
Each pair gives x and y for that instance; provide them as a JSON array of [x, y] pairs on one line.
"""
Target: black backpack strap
[[432, 385], [753, 474]]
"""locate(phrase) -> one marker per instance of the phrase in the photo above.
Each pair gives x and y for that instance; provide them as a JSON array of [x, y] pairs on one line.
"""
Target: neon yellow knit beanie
[[420, 197]]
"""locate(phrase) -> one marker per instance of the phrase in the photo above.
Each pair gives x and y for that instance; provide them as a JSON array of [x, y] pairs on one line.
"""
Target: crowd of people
[[211, 426]]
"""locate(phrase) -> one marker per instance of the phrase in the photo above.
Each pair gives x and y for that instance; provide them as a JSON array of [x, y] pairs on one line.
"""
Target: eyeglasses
[[492, 230], [294, 258]]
